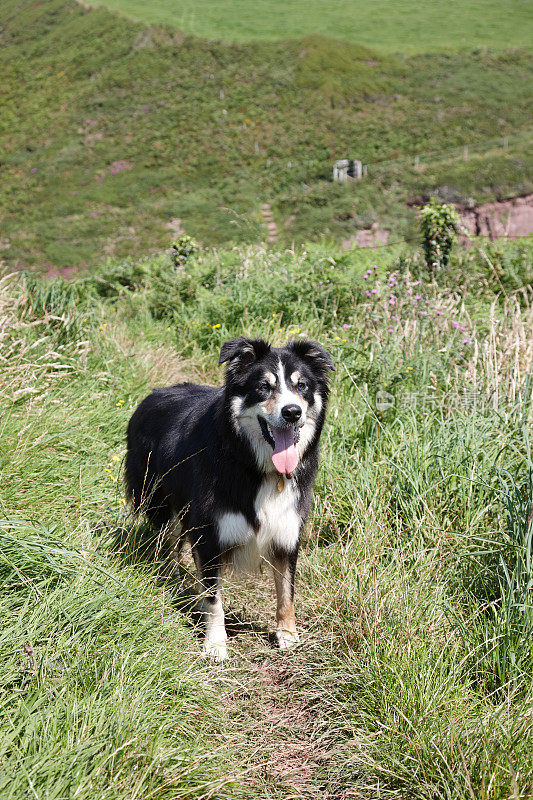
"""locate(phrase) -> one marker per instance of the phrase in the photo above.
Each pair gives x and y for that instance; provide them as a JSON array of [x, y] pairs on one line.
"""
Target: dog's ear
[[242, 352], [314, 354]]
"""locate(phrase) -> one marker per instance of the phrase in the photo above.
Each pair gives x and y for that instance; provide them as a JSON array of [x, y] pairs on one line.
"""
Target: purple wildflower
[[119, 166]]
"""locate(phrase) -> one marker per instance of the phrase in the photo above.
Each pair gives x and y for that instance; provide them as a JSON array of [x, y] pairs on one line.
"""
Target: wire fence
[[417, 161]]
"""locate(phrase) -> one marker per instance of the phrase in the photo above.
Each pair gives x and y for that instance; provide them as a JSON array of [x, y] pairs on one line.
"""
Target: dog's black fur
[[204, 455]]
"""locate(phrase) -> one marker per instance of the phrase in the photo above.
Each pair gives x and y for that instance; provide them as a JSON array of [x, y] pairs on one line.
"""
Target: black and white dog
[[235, 465]]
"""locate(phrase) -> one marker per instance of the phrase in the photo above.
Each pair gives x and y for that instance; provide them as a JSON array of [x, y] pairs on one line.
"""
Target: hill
[[394, 25], [115, 134], [413, 587]]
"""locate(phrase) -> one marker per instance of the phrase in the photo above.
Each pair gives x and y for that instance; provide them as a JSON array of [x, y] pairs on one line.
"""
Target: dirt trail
[[279, 715], [275, 708]]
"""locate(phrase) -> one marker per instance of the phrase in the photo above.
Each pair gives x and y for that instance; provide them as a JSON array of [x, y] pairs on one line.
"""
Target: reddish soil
[[503, 218], [510, 218], [368, 237]]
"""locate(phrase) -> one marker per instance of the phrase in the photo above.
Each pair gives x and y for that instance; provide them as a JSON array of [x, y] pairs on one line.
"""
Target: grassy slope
[[415, 675], [110, 129], [395, 25]]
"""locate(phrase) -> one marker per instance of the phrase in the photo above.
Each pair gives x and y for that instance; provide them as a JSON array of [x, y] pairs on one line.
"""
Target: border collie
[[234, 466]]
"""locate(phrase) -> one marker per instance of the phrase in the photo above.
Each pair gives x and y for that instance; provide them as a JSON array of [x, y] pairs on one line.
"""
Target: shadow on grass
[[167, 560]]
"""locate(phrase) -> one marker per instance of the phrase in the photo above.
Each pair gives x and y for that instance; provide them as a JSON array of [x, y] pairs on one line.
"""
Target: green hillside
[[110, 131], [390, 25], [414, 678]]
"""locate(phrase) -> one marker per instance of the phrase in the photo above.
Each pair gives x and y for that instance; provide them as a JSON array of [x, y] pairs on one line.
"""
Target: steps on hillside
[[268, 222]]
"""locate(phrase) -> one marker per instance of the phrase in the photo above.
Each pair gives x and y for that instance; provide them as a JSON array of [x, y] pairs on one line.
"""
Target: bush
[[439, 225], [182, 248]]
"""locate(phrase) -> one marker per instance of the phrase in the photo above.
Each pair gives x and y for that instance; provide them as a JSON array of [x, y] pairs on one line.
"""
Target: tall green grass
[[414, 586], [103, 693]]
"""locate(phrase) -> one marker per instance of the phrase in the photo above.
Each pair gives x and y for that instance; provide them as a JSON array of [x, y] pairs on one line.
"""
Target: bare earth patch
[[512, 218], [274, 710], [368, 237]]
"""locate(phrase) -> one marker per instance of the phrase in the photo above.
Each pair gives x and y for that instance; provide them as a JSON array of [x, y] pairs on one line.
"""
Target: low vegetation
[[414, 676], [116, 136]]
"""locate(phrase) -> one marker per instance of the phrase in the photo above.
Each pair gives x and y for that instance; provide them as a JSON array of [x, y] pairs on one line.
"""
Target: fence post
[[506, 143], [417, 162], [465, 152]]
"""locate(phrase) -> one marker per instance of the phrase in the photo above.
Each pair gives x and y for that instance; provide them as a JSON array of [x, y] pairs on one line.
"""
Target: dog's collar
[[280, 485]]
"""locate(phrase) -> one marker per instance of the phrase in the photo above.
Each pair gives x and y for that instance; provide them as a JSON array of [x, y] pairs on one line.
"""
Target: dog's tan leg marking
[[286, 632]]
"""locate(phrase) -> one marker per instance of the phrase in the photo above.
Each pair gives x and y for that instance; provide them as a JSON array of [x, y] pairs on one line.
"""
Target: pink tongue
[[285, 457]]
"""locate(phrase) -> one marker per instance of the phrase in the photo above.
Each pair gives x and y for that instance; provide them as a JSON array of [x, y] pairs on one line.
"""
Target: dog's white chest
[[278, 518], [277, 514]]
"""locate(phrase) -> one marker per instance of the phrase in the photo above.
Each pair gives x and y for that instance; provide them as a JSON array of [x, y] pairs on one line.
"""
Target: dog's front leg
[[214, 646], [208, 564], [284, 568]]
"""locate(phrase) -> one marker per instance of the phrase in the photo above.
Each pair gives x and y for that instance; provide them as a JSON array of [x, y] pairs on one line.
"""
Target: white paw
[[215, 651], [287, 639]]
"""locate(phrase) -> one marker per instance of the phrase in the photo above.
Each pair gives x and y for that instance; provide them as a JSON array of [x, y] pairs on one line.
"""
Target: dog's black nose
[[291, 413]]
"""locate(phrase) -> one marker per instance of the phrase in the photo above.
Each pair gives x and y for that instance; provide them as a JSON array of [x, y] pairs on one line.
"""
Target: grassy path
[[289, 742], [277, 707]]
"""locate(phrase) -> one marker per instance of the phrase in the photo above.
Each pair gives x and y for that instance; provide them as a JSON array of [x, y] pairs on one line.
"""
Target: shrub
[[182, 248], [439, 225]]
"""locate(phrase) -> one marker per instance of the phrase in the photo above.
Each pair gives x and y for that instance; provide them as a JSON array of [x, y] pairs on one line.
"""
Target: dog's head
[[277, 397]]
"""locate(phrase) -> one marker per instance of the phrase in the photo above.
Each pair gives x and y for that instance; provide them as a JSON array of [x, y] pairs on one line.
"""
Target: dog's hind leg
[[284, 568], [209, 564], [145, 491]]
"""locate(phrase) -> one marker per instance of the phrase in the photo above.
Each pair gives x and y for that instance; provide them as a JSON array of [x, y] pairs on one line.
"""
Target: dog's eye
[[301, 386], [265, 386]]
